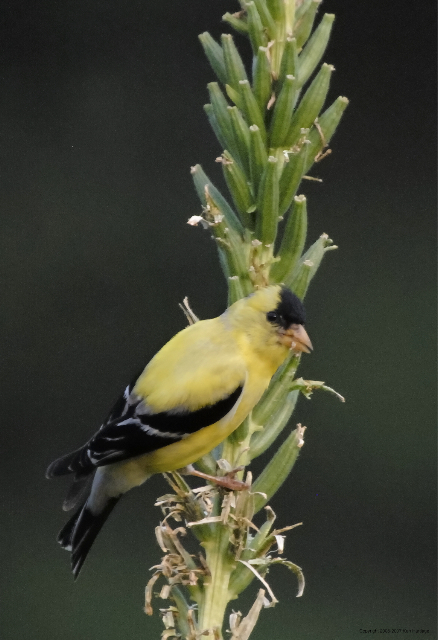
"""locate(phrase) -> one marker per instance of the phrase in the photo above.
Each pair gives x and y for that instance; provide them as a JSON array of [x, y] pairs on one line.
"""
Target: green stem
[[216, 594]]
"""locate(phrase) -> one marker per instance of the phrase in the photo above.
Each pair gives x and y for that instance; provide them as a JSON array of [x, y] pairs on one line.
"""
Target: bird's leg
[[228, 481]]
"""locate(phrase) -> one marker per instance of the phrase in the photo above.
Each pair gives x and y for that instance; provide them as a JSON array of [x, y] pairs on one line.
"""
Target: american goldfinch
[[193, 393]]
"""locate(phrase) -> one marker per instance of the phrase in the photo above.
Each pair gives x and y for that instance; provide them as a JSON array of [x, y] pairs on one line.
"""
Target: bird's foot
[[228, 481]]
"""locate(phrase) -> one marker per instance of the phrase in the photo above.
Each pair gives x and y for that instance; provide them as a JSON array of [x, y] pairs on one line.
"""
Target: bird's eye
[[271, 316]]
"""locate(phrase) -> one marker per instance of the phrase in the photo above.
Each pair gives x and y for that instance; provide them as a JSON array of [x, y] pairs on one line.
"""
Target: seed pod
[[314, 49], [234, 96], [239, 25], [277, 469], [304, 25], [251, 109], [308, 264], [275, 394], [266, 18], [239, 189], [201, 180], [215, 55], [233, 62], [310, 105], [220, 109], [301, 10], [282, 114], [242, 137], [294, 239], [258, 156], [262, 79], [289, 61], [291, 176], [267, 204], [262, 440], [257, 33], [276, 9], [328, 123], [214, 125]]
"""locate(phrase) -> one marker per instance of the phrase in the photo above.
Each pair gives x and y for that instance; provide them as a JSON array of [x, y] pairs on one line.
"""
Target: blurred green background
[[100, 120]]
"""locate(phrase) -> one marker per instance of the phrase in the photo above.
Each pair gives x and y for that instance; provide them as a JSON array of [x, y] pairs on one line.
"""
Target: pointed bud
[[274, 425], [267, 204], [258, 156], [257, 33], [266, 18], [310, 104], [278, 468], [239, 189], [241, 136], [220, 109], [314, 49], [262, 78], [282, 114], [308, 265], [291, 176], [294, 239], [303, 26], [234, 96], [251, 109], [201, 180], [233, 62], [215, 55], [328, 123], [289, 61], [241, 26]]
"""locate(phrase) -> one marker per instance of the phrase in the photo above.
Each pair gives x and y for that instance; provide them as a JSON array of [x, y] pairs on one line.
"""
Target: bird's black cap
[[290, 309]]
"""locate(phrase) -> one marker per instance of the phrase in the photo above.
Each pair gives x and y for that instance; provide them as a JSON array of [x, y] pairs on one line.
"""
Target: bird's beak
[[296, 339]]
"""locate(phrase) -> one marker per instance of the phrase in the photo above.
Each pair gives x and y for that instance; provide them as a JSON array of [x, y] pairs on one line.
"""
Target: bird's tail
[[63, 466], [81, 530]]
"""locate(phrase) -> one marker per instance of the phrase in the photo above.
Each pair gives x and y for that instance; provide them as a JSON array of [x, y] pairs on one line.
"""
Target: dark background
[[100, 120]]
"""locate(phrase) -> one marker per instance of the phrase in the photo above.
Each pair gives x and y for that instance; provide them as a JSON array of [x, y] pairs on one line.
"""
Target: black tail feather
[[80, 532], [62, 466], [78, 491]]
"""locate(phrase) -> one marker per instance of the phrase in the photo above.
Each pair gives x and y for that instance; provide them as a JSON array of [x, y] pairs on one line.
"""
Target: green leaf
[[294, 239], [215, 55], [314, 49]]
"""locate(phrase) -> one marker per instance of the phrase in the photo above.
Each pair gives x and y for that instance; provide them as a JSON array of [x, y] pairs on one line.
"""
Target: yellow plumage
[[197, 389]]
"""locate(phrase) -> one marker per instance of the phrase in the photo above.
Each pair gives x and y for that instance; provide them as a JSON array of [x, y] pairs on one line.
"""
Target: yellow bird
[[193, 393]]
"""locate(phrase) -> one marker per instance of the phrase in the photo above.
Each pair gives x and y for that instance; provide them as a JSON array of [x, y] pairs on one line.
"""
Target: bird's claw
[[228, 481]]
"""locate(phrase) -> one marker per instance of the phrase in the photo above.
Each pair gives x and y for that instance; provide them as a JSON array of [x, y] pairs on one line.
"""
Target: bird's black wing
[[137, 432]]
